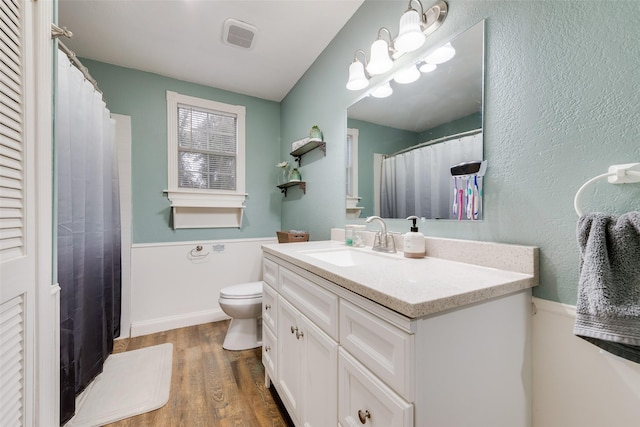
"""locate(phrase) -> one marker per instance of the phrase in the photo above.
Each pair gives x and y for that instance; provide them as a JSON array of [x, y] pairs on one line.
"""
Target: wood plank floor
[[210, 386]]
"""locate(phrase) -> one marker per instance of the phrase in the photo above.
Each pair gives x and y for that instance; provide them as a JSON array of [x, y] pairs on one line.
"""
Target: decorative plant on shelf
[[294, 175], [283, 176], [315, 133]]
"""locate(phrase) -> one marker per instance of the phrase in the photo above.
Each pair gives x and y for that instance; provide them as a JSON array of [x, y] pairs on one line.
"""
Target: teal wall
[[373, 138], [142, 96], [561, 105]]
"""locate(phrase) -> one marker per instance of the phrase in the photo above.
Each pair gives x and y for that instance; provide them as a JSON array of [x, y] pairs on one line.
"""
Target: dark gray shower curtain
[[88, 240]]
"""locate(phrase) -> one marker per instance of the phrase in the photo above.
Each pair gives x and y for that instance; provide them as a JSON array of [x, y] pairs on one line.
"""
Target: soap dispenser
[[414, 244]]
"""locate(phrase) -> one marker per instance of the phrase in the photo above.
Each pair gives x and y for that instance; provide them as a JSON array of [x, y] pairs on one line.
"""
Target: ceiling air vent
[[238, 33]]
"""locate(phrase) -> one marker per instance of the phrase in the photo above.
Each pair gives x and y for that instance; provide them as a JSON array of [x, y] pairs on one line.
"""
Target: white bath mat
[[132, 383]]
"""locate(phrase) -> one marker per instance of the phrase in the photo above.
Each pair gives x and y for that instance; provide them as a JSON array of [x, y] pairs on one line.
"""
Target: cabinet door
[[364, 399], [384, 349], [313, 301], [289, 370], [269, 307], [320, 380], [269, 353], [270, 272]]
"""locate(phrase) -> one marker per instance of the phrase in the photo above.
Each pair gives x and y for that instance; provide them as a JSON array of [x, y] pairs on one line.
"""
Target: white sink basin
[[345, 257]]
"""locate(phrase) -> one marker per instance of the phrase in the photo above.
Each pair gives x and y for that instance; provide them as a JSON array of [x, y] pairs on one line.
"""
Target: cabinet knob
[[299, 334], [363, 416], [294, 329], [267, 307], [267, 348]]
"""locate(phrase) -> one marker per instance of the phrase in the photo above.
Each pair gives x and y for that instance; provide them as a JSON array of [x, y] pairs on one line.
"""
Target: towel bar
[[618, 174]]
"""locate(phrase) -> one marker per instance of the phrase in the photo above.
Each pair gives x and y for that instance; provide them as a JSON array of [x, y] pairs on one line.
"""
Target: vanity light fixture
[[408, 75], [441, 54], [427, 67], [357, 79], [414, 28], [381, 61], [382, 91], [410, 36]]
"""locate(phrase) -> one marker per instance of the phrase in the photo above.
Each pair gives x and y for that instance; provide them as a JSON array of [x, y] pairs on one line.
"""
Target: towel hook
[[618, 174], [197, 252]]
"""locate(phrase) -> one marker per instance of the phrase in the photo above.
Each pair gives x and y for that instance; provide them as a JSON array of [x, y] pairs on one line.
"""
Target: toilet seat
[[242, 291]]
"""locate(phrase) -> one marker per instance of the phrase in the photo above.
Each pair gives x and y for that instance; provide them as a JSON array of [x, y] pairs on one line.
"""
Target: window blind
[[207, 149]]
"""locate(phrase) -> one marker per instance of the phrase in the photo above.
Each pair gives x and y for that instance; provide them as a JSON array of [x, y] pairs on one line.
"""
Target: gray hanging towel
[[608, 309]]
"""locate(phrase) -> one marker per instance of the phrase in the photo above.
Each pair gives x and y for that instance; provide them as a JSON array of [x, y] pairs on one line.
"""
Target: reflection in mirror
[[400, 149]]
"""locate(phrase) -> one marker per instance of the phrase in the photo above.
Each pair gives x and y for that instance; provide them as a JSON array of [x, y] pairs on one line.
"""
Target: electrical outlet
[[622, 175]]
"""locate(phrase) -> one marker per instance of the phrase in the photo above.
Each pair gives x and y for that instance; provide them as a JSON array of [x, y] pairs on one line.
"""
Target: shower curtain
[[419, 181], [88, 232]]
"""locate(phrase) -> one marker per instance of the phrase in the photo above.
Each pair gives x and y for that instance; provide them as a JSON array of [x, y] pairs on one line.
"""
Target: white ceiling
[[182, 39]]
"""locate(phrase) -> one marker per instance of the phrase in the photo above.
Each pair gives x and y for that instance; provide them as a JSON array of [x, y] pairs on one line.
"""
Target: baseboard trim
[[173, 322], [555, 307]]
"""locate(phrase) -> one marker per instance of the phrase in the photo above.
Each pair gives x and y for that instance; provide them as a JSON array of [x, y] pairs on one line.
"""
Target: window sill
[[206, 210]]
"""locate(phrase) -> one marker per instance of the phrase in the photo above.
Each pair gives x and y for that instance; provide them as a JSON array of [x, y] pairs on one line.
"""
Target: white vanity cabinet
[[269, 319], [364, 399], [305, 373], [345, 360], [269, 328], [307, 364]]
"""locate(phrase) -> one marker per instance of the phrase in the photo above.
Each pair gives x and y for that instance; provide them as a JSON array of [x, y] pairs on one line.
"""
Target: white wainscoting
[[173, 285], [574, 383]]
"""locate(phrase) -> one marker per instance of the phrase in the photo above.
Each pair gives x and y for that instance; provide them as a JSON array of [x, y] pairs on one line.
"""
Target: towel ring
[[624, 174]]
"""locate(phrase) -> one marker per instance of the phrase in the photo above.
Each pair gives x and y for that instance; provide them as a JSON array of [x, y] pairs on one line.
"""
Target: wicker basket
[[288, 237]]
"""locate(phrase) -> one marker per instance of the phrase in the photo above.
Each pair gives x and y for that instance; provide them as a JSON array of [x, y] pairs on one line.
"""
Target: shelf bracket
[[297, 154], [301, 184]]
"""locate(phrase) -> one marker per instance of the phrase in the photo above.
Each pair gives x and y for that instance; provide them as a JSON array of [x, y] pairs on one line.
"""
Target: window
[[353, 211], [206, 147], [352, 162]]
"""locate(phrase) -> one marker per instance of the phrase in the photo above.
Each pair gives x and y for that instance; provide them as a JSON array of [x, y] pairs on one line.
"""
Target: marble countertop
[[425, 286]]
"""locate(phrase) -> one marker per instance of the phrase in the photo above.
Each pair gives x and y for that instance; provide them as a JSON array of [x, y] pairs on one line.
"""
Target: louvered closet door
[[17, 261]]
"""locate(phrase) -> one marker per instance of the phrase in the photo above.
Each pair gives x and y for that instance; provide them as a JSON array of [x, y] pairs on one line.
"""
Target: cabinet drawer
[[364, 399], [270, 272], [269, 307], [269, 352], [386, 350], [315, 302]]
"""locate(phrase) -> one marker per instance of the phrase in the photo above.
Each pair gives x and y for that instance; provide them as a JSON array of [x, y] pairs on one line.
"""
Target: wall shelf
[[302, 184], [312, 144]]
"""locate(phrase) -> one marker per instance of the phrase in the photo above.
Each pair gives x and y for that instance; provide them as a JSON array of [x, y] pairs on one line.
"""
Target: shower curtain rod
[[59, 32], [434, 141]]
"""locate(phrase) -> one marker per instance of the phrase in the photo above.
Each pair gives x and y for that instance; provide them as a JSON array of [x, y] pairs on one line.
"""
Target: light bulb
[[382, 91], [441, 55], [427, 67], [357, 79], [408, 75], [410, 36], [380, 61]]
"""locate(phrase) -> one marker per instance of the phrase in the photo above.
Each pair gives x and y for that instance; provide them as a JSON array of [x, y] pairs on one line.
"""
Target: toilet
[[243, 303]]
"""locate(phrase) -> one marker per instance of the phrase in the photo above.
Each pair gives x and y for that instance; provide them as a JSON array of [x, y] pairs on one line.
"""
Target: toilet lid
[[242, 290]]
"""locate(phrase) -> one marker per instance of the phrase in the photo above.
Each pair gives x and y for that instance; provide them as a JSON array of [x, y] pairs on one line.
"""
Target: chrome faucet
[[383, 242]]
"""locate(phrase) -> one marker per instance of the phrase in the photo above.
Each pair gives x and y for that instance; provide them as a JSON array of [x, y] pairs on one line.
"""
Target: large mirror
[[400, 149]]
